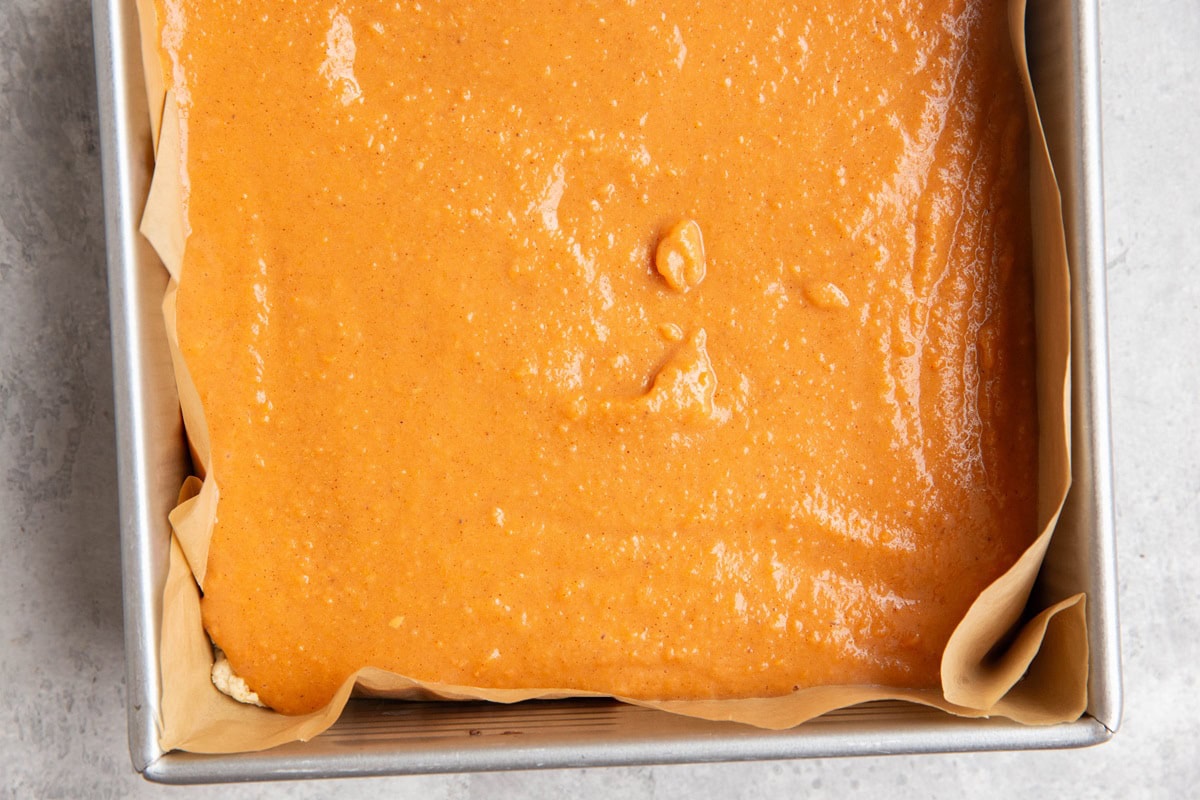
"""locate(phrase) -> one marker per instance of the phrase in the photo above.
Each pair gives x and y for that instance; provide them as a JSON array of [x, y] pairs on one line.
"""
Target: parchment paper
[[1039, 675]]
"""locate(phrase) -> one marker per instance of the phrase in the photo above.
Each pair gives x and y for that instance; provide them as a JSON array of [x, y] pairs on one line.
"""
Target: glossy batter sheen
[[671, 350]]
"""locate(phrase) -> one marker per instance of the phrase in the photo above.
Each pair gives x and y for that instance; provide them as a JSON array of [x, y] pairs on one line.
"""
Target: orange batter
[[668, 350]]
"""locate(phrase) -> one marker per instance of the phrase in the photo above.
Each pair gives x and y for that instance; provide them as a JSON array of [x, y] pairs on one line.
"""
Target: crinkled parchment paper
[[1003, 659]]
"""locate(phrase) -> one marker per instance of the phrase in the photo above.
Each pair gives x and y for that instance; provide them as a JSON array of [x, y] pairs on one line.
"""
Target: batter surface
[[668, 350]]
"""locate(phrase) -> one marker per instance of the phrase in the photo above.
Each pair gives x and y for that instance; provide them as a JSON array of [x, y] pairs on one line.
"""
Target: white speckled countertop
[[62, 715]]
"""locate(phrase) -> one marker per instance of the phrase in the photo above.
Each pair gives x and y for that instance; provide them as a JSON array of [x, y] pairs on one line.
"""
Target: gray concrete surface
[[62, 721]]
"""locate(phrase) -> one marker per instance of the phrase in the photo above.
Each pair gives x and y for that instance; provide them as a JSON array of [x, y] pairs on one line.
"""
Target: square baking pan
[[379, 737]]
